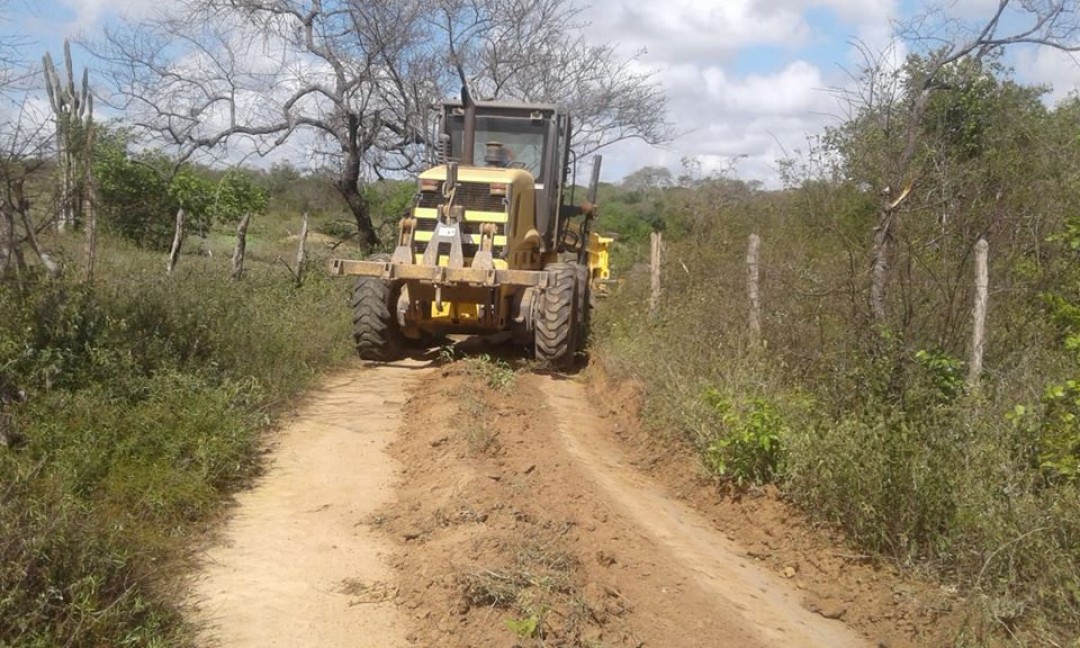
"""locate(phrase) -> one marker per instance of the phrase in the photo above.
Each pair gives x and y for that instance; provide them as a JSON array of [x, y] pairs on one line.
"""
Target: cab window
[[521, 139]]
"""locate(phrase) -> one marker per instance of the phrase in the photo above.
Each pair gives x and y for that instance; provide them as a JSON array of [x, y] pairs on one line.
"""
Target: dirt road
[[470, 506], [296, 555]]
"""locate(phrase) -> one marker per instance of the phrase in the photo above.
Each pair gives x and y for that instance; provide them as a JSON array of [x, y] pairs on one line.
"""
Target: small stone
[[826, 607], [789, 572]]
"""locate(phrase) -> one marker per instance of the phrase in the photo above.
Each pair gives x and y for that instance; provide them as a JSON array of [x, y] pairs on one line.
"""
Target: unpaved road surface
[[752, 598], [415, 505], [295, 547]]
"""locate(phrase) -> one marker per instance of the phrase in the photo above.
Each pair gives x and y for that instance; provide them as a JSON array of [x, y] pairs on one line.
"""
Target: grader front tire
[[375, 328], [556, 325]]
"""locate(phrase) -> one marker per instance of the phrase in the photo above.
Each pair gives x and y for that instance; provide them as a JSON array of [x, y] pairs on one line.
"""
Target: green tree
[[139, 195], [236, 195], [890, 107]]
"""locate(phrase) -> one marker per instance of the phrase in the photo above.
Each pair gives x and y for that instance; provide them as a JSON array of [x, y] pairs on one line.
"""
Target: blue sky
[[746, 79]]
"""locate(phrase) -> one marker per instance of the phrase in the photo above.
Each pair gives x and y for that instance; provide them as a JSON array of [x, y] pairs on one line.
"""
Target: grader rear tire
[[375, 328], [555, 327]]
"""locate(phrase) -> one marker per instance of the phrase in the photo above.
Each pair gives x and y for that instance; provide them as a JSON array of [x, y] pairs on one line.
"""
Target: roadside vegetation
[[132, 401], [131, 408], [877, 425]]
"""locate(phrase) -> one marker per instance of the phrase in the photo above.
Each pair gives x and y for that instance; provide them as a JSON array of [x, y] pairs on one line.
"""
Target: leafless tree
[[362, 77], [538, 50], [24, 147], [896, 100]]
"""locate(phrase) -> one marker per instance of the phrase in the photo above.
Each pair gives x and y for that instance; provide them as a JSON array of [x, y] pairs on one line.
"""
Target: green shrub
[[748, 445], [145, 398], [1057, 430], [889, 482], [338, 228]]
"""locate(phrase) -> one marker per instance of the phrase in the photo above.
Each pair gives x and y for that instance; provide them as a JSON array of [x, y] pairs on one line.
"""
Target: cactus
[[74, 110]]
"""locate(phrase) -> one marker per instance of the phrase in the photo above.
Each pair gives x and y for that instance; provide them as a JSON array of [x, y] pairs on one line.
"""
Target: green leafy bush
[[748, 446], [139, 194]]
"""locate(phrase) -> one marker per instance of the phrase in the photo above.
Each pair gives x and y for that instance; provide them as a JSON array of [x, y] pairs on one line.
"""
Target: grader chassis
[[492, 249]]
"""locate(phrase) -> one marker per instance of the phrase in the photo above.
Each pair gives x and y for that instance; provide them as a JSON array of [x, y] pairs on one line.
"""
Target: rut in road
[[296, 553], [761, 600]]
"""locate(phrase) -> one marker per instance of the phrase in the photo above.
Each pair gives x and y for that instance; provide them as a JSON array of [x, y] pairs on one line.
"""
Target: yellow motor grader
[[492, 244]]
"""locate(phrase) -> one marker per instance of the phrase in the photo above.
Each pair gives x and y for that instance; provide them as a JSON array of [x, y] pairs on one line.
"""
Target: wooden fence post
[[752, 278], [241, 247], [178, 238], [978, 312], [656, 243], [90, 227], [301, 251]]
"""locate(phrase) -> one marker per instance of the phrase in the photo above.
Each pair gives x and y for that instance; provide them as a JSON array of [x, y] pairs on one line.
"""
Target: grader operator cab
[[491, 245]]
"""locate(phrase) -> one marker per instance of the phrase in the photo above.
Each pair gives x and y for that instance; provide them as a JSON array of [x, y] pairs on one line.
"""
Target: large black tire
[[555, 327], [375, 326]]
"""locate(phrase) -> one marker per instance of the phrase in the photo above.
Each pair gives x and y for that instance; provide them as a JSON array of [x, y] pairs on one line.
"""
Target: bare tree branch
[[361, 78]]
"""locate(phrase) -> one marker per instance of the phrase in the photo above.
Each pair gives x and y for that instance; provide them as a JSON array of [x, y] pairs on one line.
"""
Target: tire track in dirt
[[514, 504], [760, 599], [517, 516], [297, 565]]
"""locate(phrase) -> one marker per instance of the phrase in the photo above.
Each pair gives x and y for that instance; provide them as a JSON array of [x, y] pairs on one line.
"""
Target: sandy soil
[[297, 566], [467, 505]]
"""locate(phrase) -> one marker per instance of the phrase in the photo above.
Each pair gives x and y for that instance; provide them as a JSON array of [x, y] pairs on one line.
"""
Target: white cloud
[[1051, 67], [757, 119], [796, 89], [759, 116], [676, 31], [682, 30], [91, 13], [854, 12]]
